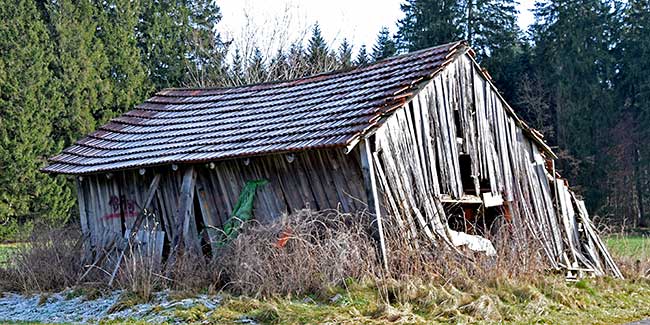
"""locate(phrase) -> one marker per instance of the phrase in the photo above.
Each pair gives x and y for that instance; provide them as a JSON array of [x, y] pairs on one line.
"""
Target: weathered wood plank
[[185, 232]]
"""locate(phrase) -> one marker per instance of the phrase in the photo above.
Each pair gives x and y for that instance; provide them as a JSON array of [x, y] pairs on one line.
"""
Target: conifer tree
[[633, 89], [345, 54], [279, 69], [489, 26], [362, 56], [79, 65], [29, 99], [492, 31], [256, 70], [163, 34], [574, 59], [206, 49], [429, 22], [129, 85], [384, 46], [317, 47]]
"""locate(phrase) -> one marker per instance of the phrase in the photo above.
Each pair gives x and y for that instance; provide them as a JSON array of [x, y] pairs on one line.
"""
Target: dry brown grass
[[305, 253], [321, 250], [51, 260]]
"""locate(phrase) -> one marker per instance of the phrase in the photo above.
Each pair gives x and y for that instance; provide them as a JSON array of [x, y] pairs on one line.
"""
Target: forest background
[[579, 74]]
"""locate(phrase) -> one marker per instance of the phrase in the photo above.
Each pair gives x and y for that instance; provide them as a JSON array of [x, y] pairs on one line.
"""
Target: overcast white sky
[[357, 20]]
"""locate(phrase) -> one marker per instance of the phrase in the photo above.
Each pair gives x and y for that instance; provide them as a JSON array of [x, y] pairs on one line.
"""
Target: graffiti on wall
[[121, 203]]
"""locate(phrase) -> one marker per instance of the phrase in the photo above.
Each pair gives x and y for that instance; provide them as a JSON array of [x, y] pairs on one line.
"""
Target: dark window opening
[[475, 219], [460, 216], [459, 129], [465, 163], [201, 229], [485, 224]]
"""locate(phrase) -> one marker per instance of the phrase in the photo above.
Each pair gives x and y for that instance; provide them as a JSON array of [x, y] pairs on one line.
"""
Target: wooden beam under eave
[[370, 182]]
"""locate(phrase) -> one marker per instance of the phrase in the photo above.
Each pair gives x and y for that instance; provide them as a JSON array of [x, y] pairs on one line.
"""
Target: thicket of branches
[[579, 74]]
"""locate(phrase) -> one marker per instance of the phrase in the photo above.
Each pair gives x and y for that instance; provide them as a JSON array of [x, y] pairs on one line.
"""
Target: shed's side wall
[[459, 113], [318, 179]]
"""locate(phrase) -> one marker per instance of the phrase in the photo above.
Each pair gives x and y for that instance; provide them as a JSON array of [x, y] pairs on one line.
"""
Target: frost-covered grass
[[548, 299]]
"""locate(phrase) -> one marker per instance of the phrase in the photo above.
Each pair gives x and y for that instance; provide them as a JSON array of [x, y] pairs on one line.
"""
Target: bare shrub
[[416, 264], [306, 252], [139, 273], [191, 274], [50, 260], [310, 252]]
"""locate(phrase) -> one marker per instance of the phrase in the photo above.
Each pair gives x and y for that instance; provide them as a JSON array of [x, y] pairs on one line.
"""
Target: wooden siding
[[319, 179]]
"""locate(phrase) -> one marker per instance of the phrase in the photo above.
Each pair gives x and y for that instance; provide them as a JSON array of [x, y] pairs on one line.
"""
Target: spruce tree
[[317, 47], [489, 26], [29, 99], [206, 49], [256, 69], [79, 65], [179, 43], [129, 85], [384, 46], [345, 54], [429, 22], [633, 89], [362, 56], [492, 31], [163, 34], [574, 59], [278, 67]]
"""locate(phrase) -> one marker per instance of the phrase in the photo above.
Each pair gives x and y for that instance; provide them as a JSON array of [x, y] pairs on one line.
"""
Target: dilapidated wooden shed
[[424, 138]]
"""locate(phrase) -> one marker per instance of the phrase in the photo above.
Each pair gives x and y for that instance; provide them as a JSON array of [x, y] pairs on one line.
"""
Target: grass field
[[635, 246], [7, 250], [547, 300]]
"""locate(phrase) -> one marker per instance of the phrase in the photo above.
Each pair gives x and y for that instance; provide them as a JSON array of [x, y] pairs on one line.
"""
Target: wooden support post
[[370, 180], [183, 215], [83, 215]]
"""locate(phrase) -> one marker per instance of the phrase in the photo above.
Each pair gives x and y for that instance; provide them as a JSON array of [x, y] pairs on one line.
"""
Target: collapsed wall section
[[458, 143]]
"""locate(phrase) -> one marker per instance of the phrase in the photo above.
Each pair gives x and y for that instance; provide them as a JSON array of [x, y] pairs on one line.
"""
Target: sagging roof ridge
[[450, 46]]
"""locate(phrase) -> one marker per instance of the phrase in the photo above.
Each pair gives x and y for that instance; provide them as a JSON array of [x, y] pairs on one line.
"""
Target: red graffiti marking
[[117, 215], [119, 204]]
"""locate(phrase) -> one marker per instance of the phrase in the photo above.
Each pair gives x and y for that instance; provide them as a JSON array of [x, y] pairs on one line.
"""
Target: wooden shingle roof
[[200, 125]]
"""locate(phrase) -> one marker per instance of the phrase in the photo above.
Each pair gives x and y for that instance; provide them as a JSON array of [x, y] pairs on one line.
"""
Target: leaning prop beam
[[370, 183]]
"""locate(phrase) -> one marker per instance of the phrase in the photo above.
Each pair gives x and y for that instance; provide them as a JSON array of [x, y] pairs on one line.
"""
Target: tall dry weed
[[302, 253], [50, 260]]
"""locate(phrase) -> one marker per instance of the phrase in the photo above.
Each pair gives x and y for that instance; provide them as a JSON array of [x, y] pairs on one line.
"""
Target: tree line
[[579, 75]]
